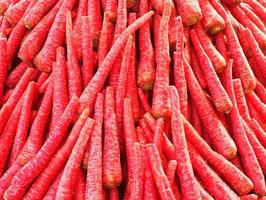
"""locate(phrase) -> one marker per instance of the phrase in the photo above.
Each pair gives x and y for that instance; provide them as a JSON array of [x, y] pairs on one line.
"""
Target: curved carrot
[[15, 12]]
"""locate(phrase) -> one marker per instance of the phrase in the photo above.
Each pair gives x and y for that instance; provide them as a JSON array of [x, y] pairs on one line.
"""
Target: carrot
[[249, 197], [258, 8], [23, 123], [221, 45], [158, 134], [212, 182], [171, 169], [81, 186], [146, 69], [36, 38], [197, 69], [260, 91], [32, 169], [231, 2], [88, 96], [253, 99], [212, 123], [55, 38], [111, 6], [120, 91], [256, 115], [190, 11], [111, 154], [218, 93], [42, 183], [131, 85], [94, 11], [195, 120], [204, 194], [4, 4], [216, 58], [234, 177], [184, 168], [249, 160], [256, 145], [51, 193], [172, 32], [6, 96], [69, 177], [159, 176], [37, 12], [242, 66], [262, 2], [211, 20], [143, 100], [147, 131], [243, 19], [3, 66], [44, 86], [73, 70], [15, 12], [252, 16], [12, 101], [161, 103], [94, 188], [260, 134]]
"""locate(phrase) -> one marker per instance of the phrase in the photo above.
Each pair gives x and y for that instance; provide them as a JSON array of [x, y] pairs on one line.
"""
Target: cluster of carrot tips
[[133, 99]]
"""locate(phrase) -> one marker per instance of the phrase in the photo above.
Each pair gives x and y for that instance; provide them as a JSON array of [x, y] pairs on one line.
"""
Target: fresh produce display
[[133, 99]]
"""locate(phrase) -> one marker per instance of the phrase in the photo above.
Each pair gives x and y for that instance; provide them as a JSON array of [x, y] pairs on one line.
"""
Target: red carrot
[[12, 101], [249, 160], [161, 103], [94, 11], [260, 90], [158, 134], [81, 186], [147, 131], [23, 123], [216, 58], [242, 66], [44, 86], [204, 194], [161, 181], [73, 70], [32, 169], [3, 66], [249, 197], [51, 193], [171, 169], [195, 120], [211, 20], [218, 93], [94, 185], [15, 12], [42, 183], [55, 38], [231, 2], [190, 12], [96, 84], [258, 8], [146, 70], [212, 182], [184, 170], [143, 100], [37, 12], [256, 115], [261, 135], [69, 177], [4, 4], [111, 154], [218, 135], [221, 45], [253, 99], [255, 69], [197, 69], [36, 38]]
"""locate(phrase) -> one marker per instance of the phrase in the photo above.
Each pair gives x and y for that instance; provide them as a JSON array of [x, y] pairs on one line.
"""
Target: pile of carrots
[[132, 99]]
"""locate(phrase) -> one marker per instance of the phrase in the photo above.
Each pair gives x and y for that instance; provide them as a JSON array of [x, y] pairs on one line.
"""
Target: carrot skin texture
[[260, 90], [36, 38], [260, 133], [184, 168], [88, 96], [23, 123], [53, 188], [146, 68], [16, 11], [143, 100], [258, 8], [69, 177], [55, 38], [112, 172], [161, 103], [12, 101], [190, 11], [33, 168], [3, 66], [94, 183], [160, 178], [249, 160], [171, 169], [42, 183], [81, 186]]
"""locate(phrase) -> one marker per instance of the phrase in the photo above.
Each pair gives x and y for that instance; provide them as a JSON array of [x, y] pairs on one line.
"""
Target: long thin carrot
[[146, 70], [221, 45], [15, 12], [212, 123], [184, 168], [88, 96], [258, 8], [37, 12], [42, 183], [190, 11], [33, 168], [55, 38], [94, 183], [253, 99], [3, 66], [23, 123], [249, 160], [260, 90], [143, 100], [81, 186], [112, 174], [161, 103], [51, 193], [69, 177], [260, 133], [36, 38]]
